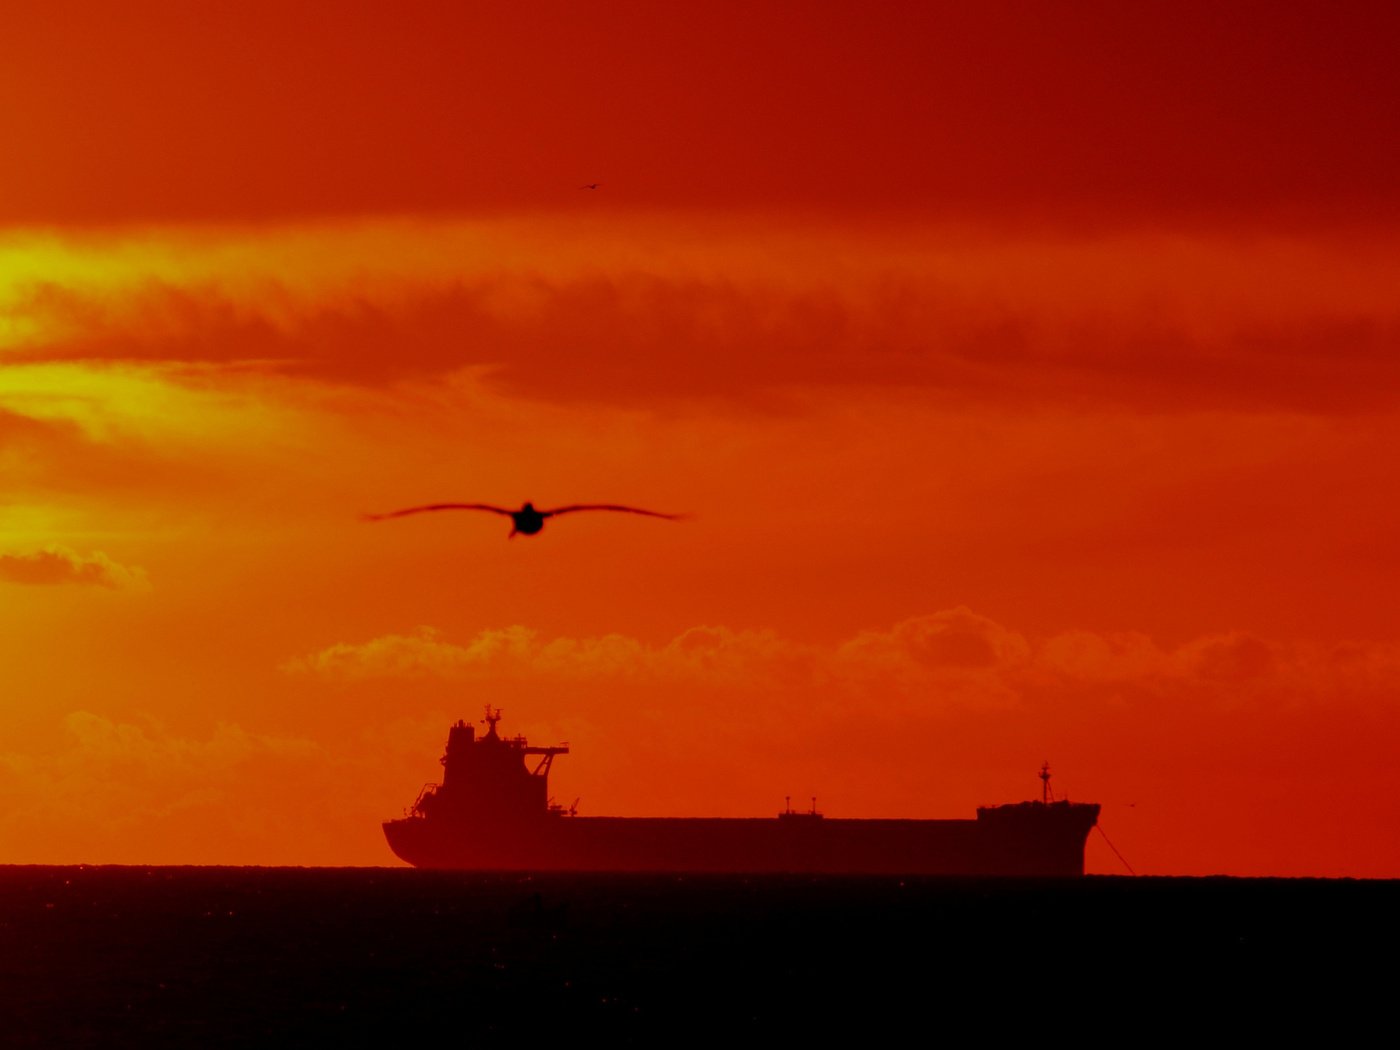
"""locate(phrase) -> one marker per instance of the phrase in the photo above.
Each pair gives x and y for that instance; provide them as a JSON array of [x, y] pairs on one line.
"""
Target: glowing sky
[[1031, 372]]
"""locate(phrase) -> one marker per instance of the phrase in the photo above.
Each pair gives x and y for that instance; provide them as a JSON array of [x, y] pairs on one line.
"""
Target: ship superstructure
[[492, 811]]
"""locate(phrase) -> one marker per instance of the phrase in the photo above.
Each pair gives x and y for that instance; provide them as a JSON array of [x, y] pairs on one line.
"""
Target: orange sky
[[1031, 374]]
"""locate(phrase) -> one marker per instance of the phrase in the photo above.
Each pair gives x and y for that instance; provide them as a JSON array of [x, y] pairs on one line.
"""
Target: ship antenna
[[1046, 795], [492, 717]]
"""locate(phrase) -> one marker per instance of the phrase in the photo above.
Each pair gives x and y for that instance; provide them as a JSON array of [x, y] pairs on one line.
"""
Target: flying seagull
[[527, 519], [590, 185]]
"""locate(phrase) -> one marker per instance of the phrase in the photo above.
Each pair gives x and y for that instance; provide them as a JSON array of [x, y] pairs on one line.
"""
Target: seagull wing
[[609, 506], [438, 506]]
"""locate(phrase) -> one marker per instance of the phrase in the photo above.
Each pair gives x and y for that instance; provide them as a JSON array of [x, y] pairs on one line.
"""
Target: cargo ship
[[492, 811]]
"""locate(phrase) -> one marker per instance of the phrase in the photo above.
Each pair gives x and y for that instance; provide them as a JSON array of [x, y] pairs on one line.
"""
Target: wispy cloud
[[1147, 321]]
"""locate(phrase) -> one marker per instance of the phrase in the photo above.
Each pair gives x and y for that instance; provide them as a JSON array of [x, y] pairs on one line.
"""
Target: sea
[[227, 956]]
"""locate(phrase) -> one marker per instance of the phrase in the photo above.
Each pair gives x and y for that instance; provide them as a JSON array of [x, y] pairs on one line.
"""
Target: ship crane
[[493, 715], [547, 759]]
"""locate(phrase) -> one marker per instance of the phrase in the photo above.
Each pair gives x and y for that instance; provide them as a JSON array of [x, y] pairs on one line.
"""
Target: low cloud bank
[[954, 653]]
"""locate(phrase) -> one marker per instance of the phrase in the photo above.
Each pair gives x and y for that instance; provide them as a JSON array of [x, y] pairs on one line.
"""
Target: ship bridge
[[490, 776]]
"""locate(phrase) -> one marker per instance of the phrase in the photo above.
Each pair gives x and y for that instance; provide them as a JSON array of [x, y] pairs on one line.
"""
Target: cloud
[[956, 638], [59, 565], [953, 656], [86, 432], [18, 429], [1105, 658], [1234, 658], [30, 448], [100, 741], [703, 652], [132, 792], [130, 770], [1146, 321], [628, 338]]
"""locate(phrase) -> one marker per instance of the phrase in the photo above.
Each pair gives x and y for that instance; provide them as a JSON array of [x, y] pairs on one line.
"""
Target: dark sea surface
[[113, 956]]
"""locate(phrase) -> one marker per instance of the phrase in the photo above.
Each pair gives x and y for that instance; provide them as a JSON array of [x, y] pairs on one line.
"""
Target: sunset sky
[[1030, 372]]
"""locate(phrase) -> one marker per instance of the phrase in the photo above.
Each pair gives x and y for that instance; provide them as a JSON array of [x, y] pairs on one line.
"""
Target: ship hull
[[1035, 841]]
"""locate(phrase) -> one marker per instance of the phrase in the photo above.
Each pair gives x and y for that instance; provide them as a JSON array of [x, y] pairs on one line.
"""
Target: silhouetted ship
[[492, 811]]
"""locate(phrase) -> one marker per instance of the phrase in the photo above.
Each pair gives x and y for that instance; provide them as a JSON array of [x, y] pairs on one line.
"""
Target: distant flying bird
[[527, 519], [590, 186]]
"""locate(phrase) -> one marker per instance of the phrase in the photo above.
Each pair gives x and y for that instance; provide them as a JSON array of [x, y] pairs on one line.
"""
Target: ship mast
[[1046, 795]]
